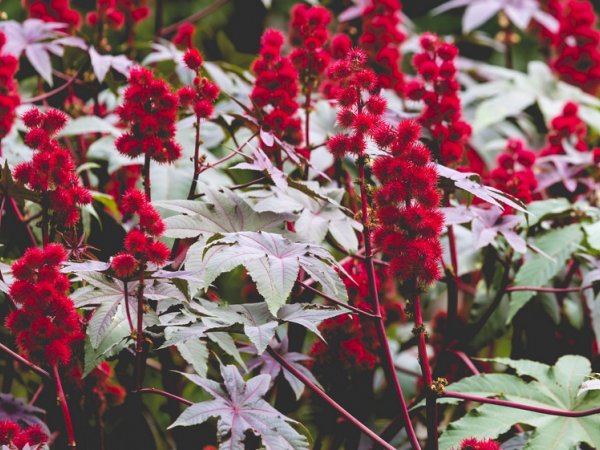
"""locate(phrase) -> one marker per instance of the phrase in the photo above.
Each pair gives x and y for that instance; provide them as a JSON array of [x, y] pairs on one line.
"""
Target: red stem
[[430, 399], [337, 302], [164, 394], [22, 360], [331, 402], [515, 405], [466, 360], [139, 338], [216, 4], [146, 174], [127, 309], [388, 360], [65, 408], [547, 289], [192, 191]]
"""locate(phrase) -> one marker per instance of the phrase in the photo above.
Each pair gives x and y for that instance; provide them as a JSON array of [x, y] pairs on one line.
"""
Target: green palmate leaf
[[315, 216], [239, 407], [107, 296], [273, 262], [553, 387], [218, 212], [195, 353], [592, 232], [256, 321], [539, 269], [543, 209]]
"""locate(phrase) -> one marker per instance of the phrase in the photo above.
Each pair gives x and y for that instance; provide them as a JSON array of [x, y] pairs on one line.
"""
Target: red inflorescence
[[134, 10], [567, 127], [437, 87], [409, 223], [514, 174], [381, 38], [309, 34], [275, 90], [53, 11], [107, 12], [361, 109], [99, 383], [141, 244], [150, 112], [575, 45], [9, 94], [13, 436], [475, 444], [183, 36], [202, 95], [52, 170], [46, 325]]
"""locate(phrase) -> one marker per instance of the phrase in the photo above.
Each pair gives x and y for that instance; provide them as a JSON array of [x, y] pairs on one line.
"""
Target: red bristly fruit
[[9, 92], [53, 11], [514, 174], [406, 205], [575, 45], [436, 86], [142, 244], [309, 35], [381, 39], [51, 171], [275, 90], [150, 112], [13, 436], [46, 325], [475, 444], [203, 94]]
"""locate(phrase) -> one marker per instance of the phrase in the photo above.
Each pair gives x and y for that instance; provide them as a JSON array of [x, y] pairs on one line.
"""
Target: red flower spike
[[53, 11], [575, 44], [381, 39], [437, 87], [275, 90], [9, 92], [52, 170], [141, 244], [150, 112]]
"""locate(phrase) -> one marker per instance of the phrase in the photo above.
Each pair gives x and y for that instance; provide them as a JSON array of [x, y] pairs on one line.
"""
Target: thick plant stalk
[[139, 338], [146, 175], [24, 361], [331, 402], [388, 361], [430, 398], [192, 191], [65, 408], [163, 394]]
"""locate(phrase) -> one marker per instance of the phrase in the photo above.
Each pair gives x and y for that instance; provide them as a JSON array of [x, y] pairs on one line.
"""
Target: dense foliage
[[346, 224]]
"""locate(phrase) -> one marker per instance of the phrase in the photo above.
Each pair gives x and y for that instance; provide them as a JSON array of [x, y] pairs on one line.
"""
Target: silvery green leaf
[[220, 211], [273, 262], [309, 316], [195, 353]]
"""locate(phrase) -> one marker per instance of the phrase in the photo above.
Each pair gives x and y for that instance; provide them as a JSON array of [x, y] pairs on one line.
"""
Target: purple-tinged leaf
[[37, 55], [489, 194], [478, 13], [267, 137], [239, 407]]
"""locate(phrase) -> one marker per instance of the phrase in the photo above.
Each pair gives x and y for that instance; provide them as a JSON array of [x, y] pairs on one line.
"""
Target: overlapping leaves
[[555, 387]]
